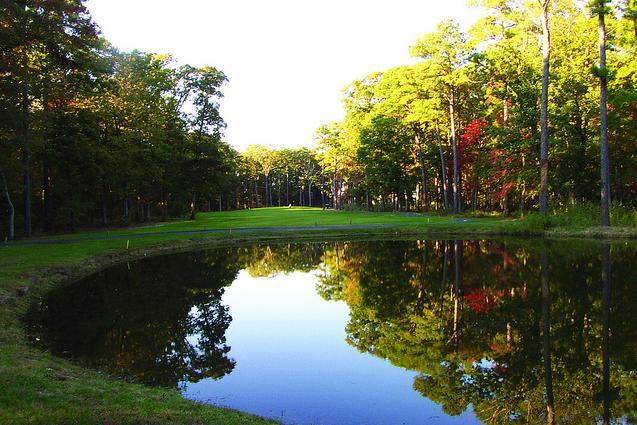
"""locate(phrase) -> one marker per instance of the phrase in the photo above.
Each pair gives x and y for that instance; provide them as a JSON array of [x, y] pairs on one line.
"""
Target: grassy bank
[[39, 388]]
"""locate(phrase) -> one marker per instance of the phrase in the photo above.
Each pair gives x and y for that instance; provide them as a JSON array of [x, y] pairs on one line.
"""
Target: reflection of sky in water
[[293, 362]]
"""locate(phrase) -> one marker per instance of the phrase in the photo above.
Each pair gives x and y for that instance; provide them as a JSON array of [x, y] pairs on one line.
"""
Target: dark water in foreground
[[386, 332]]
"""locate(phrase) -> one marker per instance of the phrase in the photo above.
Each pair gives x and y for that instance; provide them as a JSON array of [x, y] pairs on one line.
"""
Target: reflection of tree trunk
[[443, 279], [509, 335], [606, 330], [421, 283], [456, 290], [546, 333]]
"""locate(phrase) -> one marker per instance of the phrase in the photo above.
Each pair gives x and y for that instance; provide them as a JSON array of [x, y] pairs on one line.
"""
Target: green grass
[[41, 389], [278, 217]]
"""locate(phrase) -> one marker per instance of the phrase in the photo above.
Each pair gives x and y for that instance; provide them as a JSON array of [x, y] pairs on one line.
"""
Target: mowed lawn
[[277, 217]]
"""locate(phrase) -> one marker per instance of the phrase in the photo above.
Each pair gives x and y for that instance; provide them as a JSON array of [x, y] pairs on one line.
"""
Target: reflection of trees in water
[[472, 318], [159, 321], [515, 330]]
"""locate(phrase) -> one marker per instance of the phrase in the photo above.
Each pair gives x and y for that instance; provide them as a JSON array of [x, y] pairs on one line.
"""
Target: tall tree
[[448, 52], [44, 40], [601, 9], [544, 106]]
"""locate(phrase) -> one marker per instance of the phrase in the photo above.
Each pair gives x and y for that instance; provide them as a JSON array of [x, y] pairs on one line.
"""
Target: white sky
[[287, 60]]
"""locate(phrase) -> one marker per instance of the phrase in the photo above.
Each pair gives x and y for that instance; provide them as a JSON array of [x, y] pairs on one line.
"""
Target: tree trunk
[[193, 206], [322, 188], [443, 176], [11, 223], [104, 211], [26, 162], [544, 141], [605, 190], [335, 183], [126, 213], [47, 222], [423, 177], [456, 171], [256, 192], [287, 187], [523, 191]]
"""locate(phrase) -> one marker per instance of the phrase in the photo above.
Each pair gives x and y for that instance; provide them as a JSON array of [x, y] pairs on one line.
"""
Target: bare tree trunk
[[423, 179], [126, 213], [605, 192], [445, 194], [287, 187], [193, 206], [256, 192], [456, 171], [104, 210], [335, 183], [523, 191], [322, 187], [26, 162], [445, 197], [544, 142], [7, 195], [47, 219]]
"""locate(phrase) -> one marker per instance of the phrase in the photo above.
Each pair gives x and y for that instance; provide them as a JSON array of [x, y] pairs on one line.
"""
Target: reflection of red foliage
[[481, 302]]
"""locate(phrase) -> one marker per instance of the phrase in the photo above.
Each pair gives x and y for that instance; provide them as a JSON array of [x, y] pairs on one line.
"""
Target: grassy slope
[[39, 388]]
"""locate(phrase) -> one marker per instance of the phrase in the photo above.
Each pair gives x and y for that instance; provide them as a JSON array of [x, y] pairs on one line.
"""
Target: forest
[[534, 107]]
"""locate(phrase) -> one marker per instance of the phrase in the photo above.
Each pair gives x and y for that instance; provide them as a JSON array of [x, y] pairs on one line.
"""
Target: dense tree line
[[482, 121], [526, 109], [92, 135], [513, 115]]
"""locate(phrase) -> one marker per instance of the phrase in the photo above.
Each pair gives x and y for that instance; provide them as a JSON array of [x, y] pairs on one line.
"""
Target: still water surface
[[385, 332]]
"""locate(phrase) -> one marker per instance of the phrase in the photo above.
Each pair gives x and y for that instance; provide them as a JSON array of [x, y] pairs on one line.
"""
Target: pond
[[379, 332]]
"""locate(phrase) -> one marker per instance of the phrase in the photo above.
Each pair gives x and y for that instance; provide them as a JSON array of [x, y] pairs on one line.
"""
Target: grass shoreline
[[39, 388]]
